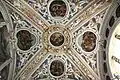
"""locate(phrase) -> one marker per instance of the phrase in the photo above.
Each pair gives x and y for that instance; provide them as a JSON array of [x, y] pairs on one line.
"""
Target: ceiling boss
[[57, 39]]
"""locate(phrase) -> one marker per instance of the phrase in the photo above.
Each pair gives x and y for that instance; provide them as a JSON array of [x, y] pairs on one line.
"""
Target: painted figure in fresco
[[57, 39], [58, 8], [24, 40], [88, 41], [57, 68]]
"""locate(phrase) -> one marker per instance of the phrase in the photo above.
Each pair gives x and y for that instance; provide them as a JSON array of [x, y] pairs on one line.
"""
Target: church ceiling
[[54, 39]]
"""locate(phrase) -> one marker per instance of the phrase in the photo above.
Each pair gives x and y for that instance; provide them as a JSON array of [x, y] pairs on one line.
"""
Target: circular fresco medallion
[[25, 39], [57, 39], [58, 8], [88, 43], [57, 68]]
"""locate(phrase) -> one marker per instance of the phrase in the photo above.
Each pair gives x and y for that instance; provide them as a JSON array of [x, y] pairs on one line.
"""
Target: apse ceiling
[[55, 39]]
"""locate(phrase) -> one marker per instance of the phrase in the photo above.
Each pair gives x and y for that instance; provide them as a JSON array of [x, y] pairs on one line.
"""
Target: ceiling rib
[[29, 14], [32, 65], [81, 64], [88, 14]]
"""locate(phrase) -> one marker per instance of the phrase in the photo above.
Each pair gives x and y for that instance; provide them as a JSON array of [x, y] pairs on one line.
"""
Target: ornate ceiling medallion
[[56, 39], [25, 40], [87, 41], [57, 68], [58, 9]]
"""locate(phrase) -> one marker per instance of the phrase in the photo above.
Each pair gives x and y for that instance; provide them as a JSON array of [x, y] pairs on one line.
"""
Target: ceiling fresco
[[53, 39]]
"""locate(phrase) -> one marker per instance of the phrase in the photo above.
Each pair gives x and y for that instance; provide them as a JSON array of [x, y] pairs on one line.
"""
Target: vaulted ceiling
[[59, 39]]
